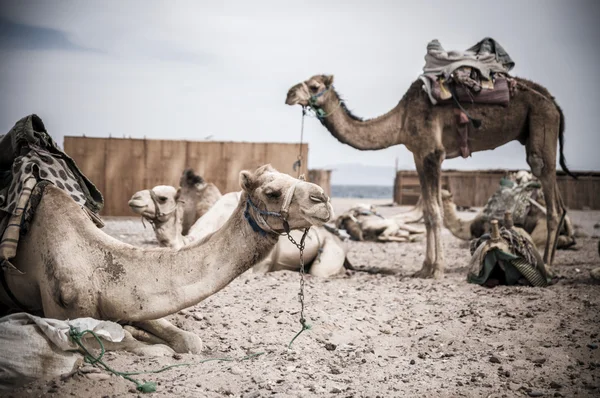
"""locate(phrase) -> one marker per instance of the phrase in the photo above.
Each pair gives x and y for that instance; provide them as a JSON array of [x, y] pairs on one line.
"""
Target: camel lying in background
[[324, 253], [71, 269], [162, 207], [199, 196], [535, 225], [363, 223]]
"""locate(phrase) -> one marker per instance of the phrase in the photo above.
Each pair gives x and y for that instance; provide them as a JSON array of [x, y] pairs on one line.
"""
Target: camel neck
[[154, 283], [377, 133], [169, 232]]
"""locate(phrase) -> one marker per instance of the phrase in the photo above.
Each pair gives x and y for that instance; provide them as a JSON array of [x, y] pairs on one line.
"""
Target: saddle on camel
[[477, 75]]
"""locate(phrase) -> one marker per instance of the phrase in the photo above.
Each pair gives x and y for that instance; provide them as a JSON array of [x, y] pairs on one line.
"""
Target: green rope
[[319, 112], [305, 326], [142, 387]]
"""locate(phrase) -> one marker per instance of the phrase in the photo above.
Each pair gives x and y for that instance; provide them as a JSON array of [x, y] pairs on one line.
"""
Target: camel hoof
[[438, 274], [187, 342], [423, 273], [595, 273]]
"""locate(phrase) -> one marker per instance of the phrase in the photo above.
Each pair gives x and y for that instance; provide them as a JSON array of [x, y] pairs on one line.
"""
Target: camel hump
[[190, 179]]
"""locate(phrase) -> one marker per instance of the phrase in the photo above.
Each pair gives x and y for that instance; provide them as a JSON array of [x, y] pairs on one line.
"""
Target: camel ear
[[177, 194], [246, 181], [328, 80]]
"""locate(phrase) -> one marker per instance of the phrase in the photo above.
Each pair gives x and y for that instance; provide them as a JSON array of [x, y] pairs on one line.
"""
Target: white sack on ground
[[40, 348]]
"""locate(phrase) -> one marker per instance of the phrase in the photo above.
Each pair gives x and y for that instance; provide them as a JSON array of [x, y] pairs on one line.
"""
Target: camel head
[[156, 204], [274, 198], [192, 185], [313, 92], [446, 196]]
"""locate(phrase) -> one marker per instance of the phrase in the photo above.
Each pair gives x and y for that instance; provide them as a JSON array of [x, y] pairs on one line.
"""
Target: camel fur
[[532, 117], [72, 269]]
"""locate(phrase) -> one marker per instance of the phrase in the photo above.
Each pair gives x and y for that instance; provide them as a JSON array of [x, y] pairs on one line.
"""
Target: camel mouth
[[294, 99], [291, 100], [320, 215], [137, 207]]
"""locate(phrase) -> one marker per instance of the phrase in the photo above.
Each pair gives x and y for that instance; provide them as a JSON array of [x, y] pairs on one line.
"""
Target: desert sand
[[378, 334]]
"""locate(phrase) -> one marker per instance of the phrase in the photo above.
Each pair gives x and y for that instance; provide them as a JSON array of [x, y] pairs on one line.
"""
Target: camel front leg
[[179, 340], [429, 169]]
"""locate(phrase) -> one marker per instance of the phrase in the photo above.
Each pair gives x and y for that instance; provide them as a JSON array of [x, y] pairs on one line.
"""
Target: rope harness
[[319, 112]]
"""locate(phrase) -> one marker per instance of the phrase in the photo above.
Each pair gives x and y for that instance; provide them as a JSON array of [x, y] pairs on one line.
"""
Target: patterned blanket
[[513, 197], [28, 156]]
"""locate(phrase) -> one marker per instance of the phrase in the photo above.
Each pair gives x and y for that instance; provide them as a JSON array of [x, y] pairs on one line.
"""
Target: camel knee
[[433, 220], [552, 221], [536, 163]]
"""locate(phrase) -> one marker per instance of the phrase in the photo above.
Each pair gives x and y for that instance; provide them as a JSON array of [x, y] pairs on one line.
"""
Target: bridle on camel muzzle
[[260, 225], [319, 112], [157, 213]]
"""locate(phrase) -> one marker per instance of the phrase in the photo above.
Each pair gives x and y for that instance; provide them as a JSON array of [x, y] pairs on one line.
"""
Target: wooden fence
[[120, 167], [473, 188]]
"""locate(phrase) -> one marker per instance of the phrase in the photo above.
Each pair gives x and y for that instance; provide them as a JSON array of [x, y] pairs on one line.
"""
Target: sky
[[220, 70]]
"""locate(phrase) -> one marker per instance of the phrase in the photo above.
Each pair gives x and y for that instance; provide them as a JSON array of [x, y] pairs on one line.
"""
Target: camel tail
[[561, 143]]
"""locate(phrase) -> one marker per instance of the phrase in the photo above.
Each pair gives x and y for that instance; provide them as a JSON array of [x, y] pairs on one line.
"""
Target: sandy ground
[[379, 335]]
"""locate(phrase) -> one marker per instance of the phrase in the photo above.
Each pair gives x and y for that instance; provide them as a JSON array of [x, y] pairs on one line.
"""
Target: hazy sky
[[193, 69]]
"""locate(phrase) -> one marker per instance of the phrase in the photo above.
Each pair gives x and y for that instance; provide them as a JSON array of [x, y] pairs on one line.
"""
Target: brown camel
[[429, 132], [72, 269]]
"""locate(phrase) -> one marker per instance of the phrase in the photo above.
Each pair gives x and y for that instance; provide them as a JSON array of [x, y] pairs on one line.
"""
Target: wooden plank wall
[[583, 193], [473, 188], [322, 178], [120, 167], [407, 189]]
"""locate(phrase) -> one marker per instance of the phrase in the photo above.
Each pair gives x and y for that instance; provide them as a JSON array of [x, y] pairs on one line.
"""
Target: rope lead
[[305, 326], [148, 386]]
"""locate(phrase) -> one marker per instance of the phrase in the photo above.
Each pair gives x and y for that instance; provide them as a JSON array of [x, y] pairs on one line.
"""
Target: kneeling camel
[[72, 269]]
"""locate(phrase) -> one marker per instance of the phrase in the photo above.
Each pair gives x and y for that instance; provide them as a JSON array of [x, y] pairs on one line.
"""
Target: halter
[[157, 213], [259, 224], [319, 112]]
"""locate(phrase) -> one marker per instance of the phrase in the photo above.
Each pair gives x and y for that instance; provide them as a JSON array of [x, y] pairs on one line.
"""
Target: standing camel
[[429, 132]]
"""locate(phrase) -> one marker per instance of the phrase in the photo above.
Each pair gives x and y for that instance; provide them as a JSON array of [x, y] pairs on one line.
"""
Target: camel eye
[[273, 194], [162, 199], [314, 87]]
